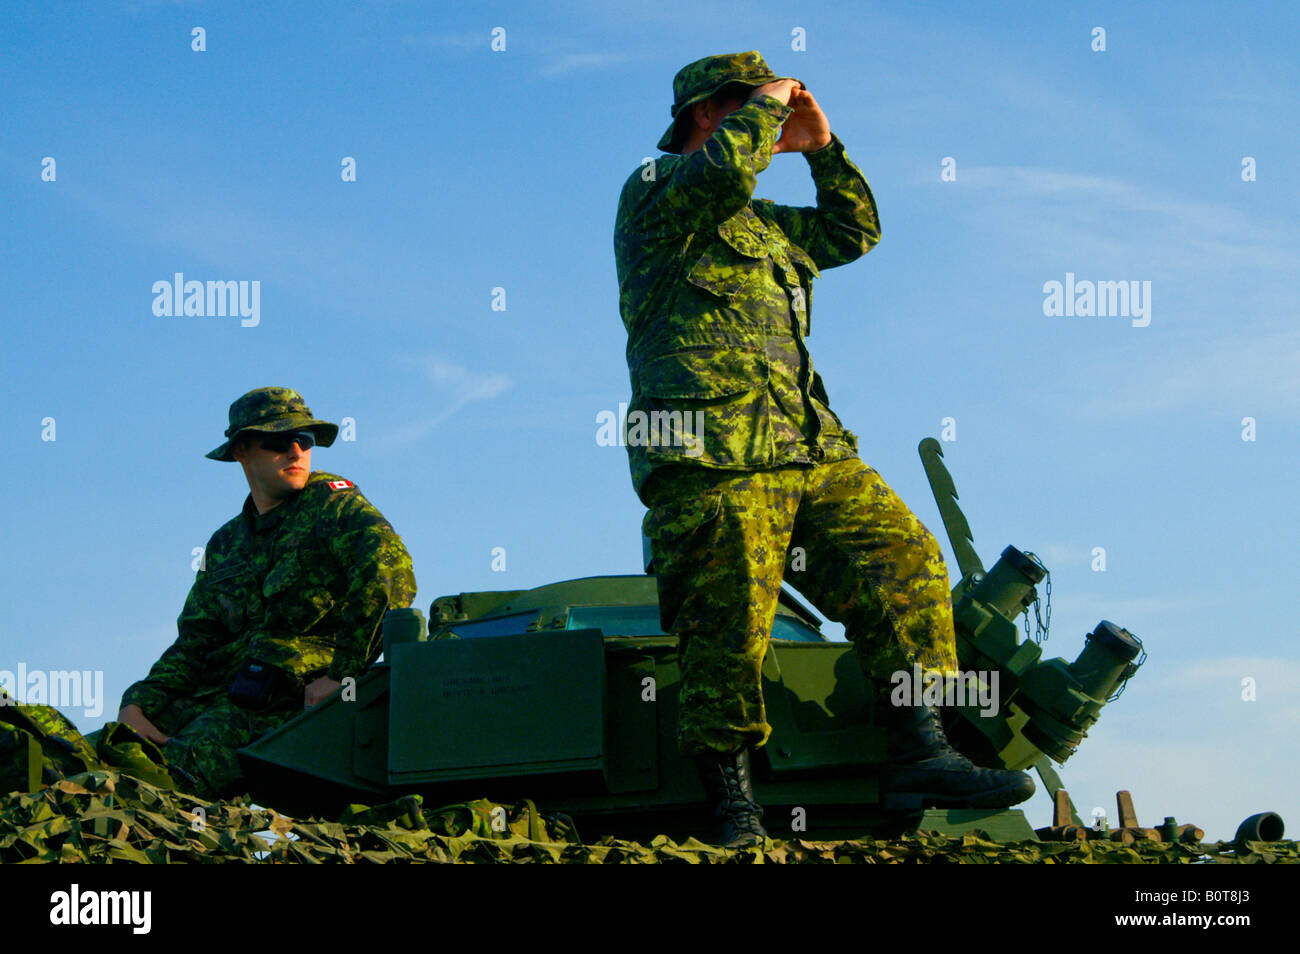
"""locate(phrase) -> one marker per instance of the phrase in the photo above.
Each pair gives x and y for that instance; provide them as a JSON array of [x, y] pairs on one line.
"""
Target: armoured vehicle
[[566, 694]]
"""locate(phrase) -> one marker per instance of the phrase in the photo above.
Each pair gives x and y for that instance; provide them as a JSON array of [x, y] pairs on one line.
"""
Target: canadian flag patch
[[340, 484]]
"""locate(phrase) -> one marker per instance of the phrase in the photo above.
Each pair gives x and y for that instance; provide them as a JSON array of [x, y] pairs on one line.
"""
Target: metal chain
[[1133, 667], [1042, 620]]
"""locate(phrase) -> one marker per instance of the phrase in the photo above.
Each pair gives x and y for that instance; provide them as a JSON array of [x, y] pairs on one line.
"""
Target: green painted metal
[[583, 721], [945, 496], [1052, 782], [566, 694], [1046, 706], [505, 706]]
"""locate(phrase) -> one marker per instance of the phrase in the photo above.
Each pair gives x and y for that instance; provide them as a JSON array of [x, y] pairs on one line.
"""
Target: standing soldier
[[715, 290], [288, 604]]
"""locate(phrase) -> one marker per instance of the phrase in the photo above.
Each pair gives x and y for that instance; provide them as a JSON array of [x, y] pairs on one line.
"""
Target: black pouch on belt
[[257, 686]]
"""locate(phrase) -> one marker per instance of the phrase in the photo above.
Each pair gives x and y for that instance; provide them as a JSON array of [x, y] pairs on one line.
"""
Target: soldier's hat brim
[[272, 410], [697, 81], [325, 433]]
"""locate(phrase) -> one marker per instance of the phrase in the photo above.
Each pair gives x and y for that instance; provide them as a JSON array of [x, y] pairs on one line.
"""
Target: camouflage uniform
[[302, 588], [715, 291]]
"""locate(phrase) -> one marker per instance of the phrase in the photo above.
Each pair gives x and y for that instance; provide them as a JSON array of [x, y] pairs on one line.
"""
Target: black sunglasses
[[279, 443]]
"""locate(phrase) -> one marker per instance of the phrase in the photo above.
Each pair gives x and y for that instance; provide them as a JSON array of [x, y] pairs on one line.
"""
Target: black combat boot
[[730, 794], [924, 771]]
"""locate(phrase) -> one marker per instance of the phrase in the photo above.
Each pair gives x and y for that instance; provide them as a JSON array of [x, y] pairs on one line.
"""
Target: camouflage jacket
[[715, 290], [303, 587]]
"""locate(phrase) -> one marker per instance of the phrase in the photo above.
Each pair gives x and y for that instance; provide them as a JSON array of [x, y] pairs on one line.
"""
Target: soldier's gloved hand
[[134, 716], [319, 690]]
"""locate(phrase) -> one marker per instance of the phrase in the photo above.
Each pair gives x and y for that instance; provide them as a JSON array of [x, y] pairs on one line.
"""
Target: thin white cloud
[[1272, 674], [460, 386], [1058, 554], [1287, 719], [557, 62], [474, 386], [1249, 374], [1149, 228], [1196, 254], [581, 61]]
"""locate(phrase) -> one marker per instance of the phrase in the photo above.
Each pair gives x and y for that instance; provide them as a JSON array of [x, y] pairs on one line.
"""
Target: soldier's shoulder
[[340, 499], [227, 533], [330, 491], [641, 202], [324, 485], [650, 166], [649, 175]]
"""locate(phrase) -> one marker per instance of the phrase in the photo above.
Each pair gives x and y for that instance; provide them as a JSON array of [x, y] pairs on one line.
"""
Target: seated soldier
[[287, 604]]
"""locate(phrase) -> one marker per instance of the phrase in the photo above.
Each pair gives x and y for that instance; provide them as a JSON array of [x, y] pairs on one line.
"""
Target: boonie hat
[[699, 80], [271, 410]]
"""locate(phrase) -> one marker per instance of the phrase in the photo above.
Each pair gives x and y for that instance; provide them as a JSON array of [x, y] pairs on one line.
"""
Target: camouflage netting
[[104, 817]]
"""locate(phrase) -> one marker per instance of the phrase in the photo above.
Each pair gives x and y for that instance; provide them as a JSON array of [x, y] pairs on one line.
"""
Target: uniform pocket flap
[[702, 373], [800, 257], [725, 268], [681, 517], [722, 278], [737, 232], [227, 572]]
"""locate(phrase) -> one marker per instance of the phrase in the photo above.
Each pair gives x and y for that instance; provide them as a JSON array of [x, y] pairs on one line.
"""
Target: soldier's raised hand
[[779, 89], [807, 128]]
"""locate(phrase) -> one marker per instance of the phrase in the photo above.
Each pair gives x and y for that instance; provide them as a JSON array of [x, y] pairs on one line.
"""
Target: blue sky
[[475, 427]]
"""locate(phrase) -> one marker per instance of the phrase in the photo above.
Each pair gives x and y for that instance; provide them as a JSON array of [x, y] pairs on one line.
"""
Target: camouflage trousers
[[204, 734], [721, 542]]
